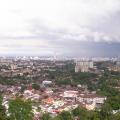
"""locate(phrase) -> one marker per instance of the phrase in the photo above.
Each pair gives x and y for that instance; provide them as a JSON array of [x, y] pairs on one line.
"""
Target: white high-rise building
[[13, 66], [83, 66], [118, 62]]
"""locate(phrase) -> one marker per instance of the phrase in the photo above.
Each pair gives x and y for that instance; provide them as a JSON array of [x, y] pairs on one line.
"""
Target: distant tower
[[55, 57], [118, 61], [86, 89]]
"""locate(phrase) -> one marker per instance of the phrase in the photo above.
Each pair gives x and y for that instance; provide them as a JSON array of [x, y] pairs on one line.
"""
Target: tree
[[46, 116], [2, 111], [93, 115], [65, 116], [20, 110], [116, 116], [106, 112], [35, 86], [81, 113], [114, 102], [23, 87]]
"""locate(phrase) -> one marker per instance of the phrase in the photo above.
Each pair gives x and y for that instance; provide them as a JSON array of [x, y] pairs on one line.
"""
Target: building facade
[[83, 66]]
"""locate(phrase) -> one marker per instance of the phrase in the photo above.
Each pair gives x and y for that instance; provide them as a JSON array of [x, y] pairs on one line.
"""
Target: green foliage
[[1, 98], [107, 88], [2, 111], [6, 81], [20, 110], [65, 116], [106, 112], [108, 91], [64, 82], [93, 115], [114, 102], [116, 116], [81, 113], [46, 116], [35, 86], [23, 87], [72, 78]]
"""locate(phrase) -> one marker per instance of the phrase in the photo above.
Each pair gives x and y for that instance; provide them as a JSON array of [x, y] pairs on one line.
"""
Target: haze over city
[[67, 27]]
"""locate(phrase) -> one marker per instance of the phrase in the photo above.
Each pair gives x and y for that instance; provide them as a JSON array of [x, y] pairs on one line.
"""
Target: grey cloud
[[99, 37]]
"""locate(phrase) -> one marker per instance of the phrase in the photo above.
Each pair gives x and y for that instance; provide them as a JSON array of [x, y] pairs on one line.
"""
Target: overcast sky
[[65, 27]]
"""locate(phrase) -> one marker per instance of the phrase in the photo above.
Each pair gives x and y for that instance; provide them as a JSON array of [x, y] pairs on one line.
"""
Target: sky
[[62, 27]]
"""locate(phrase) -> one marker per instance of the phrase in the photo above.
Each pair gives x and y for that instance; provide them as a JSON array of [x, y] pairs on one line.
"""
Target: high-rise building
[[118, 62], [83, 66], [13, 66]]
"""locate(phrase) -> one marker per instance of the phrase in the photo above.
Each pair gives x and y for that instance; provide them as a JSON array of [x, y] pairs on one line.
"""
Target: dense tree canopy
[[20, 110], [46, 116], [2, 111]]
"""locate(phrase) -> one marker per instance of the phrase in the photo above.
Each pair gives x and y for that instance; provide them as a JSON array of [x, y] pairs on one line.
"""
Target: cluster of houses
[[55, 100]]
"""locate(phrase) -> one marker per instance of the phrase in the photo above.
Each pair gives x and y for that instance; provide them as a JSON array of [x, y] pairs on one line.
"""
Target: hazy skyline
[[67, 27]]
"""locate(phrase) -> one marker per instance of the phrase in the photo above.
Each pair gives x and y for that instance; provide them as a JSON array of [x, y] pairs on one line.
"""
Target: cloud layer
[[37, 27]]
